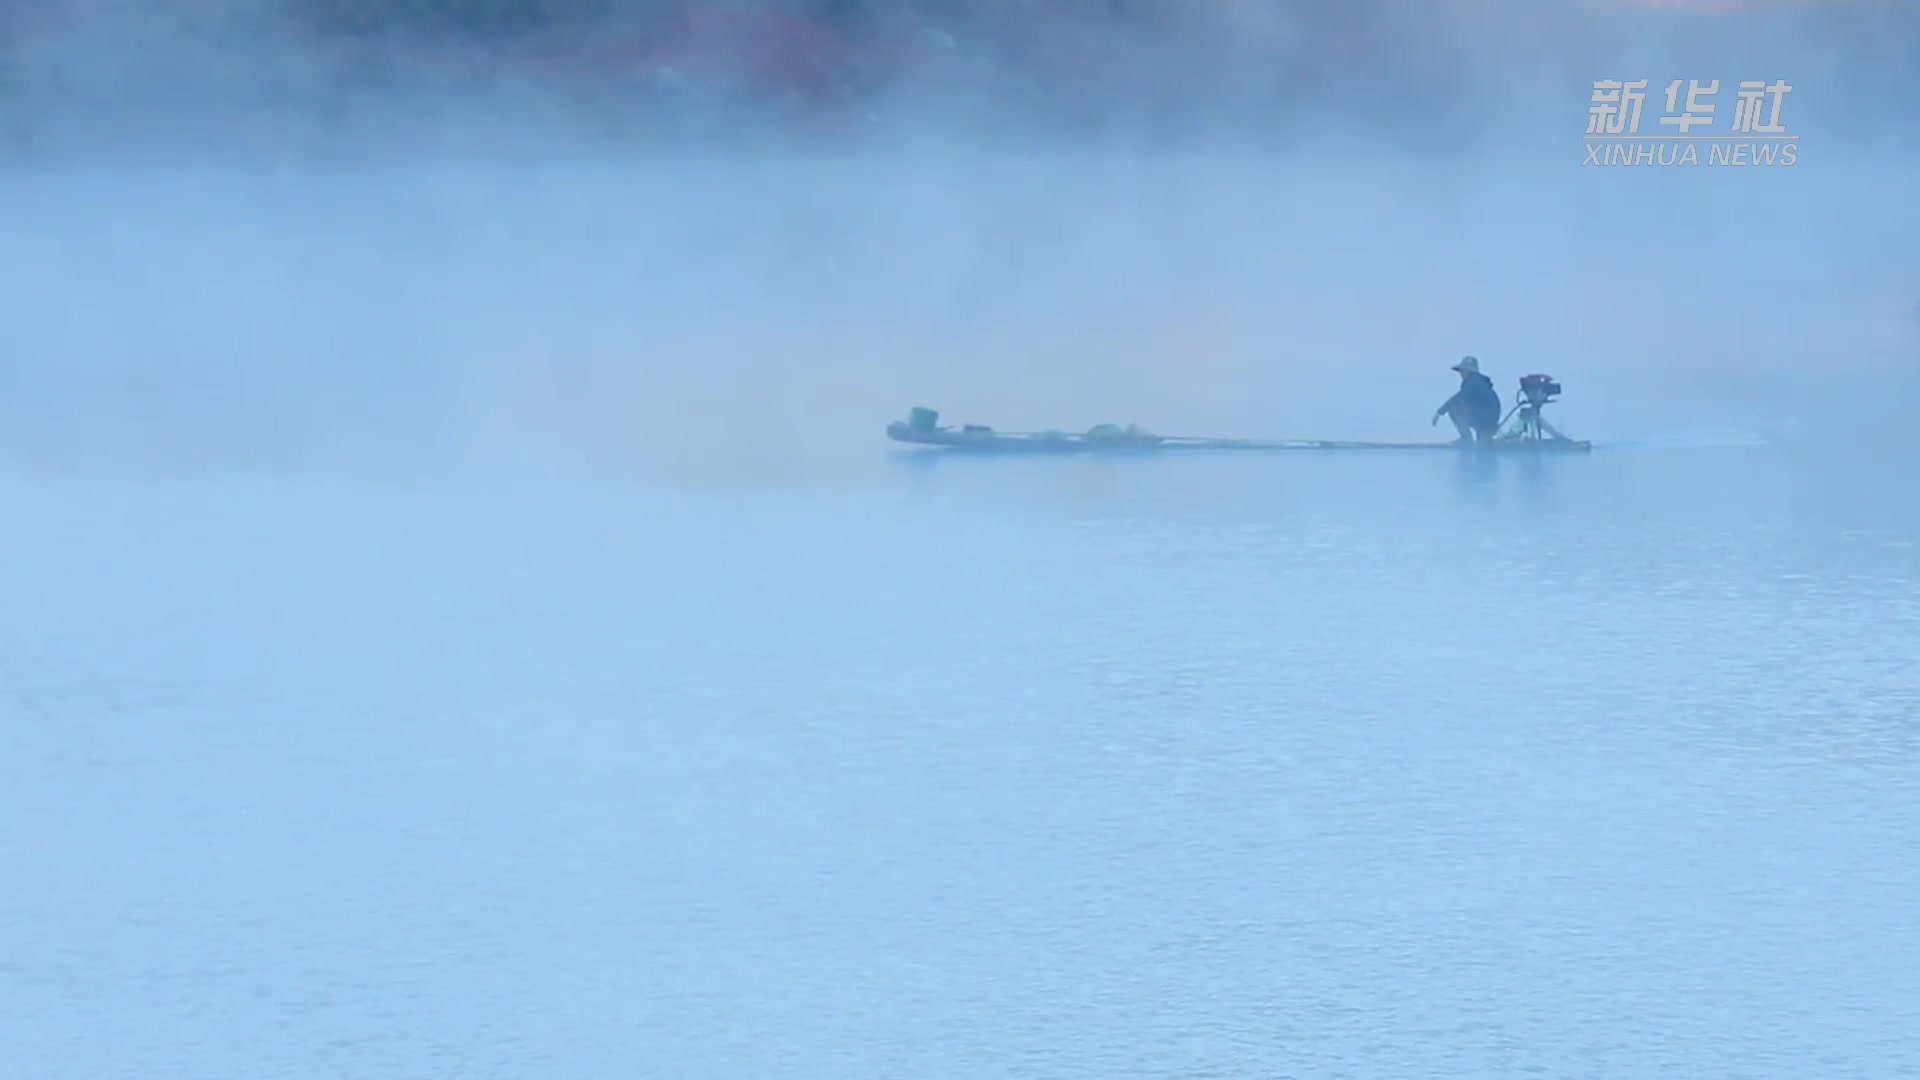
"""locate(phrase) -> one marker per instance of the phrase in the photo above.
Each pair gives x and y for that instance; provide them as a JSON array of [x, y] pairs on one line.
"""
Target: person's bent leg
[[1486, 426], [1460, 425]]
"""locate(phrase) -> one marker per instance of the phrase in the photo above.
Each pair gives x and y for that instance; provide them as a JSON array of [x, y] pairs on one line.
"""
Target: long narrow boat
[[923, 428]]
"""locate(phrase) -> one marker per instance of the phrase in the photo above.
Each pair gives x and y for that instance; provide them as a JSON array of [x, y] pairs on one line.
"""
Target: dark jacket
[[1477, 401]]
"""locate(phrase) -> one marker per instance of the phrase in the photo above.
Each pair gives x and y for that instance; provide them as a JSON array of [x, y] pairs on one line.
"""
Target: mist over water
[[698, 307], [464, 617], [1290, 246]]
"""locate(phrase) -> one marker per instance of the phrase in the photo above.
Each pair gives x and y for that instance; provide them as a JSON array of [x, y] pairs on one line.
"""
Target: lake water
[[1308, 766]]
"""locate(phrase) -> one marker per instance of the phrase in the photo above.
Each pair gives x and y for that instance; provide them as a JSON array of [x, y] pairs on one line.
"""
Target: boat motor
[[1536, 391]]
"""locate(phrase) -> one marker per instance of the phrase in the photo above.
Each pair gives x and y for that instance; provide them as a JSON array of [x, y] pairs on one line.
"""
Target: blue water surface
[[1292, 766]]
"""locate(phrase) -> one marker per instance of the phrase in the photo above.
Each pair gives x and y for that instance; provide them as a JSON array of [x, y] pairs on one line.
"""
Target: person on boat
[[1475, 407]]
